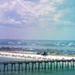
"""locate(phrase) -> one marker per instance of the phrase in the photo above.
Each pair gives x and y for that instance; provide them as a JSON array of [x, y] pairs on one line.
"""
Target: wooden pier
[[36, 65]]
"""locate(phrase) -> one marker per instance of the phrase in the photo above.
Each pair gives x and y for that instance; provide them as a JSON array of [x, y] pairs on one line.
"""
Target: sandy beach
[[31, 56]]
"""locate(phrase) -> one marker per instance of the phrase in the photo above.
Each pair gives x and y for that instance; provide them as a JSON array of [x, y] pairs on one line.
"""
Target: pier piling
[[37, 65]]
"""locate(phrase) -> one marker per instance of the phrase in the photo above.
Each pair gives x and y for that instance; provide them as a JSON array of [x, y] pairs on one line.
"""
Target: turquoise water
[[60, 72]]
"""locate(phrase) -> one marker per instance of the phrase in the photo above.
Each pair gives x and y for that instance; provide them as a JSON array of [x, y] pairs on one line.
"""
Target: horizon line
[[41, 39]]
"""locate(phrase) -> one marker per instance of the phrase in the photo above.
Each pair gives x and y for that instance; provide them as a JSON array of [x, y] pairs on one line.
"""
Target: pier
[[36, 65]]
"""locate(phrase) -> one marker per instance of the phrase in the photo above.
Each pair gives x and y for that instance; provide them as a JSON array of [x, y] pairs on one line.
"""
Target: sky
[[37, 19]]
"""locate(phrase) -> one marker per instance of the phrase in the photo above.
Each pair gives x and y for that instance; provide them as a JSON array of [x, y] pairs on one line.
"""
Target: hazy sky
[[37, 19]]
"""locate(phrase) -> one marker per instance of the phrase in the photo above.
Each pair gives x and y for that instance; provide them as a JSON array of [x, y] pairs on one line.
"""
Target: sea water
[[40, 72]]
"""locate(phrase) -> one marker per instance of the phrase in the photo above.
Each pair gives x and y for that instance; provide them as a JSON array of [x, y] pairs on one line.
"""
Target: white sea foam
[[34, 56]]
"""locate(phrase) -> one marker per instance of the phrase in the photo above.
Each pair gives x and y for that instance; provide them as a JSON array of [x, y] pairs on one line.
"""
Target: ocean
[[65, 72], [66, 46]]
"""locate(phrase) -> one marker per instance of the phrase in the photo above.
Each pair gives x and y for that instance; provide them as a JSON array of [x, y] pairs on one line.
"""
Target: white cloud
[[58, 18], [27, 6], [40, 9], [59, 1], [44, 9], [29, 12], [7, 6], [43, 1], [12, 21]]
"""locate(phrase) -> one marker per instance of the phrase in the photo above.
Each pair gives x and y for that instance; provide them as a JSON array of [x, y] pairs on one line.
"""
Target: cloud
[[28, 8], [43, 1], [7, 6], [59, 1], [43, 12], [58, 18], [12, 21]]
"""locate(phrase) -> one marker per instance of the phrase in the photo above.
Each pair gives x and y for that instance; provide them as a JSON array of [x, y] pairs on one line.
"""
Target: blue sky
[[37, 19]]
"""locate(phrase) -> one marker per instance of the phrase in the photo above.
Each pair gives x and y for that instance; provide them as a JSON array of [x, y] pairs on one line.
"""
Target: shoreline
[[33, 56]]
